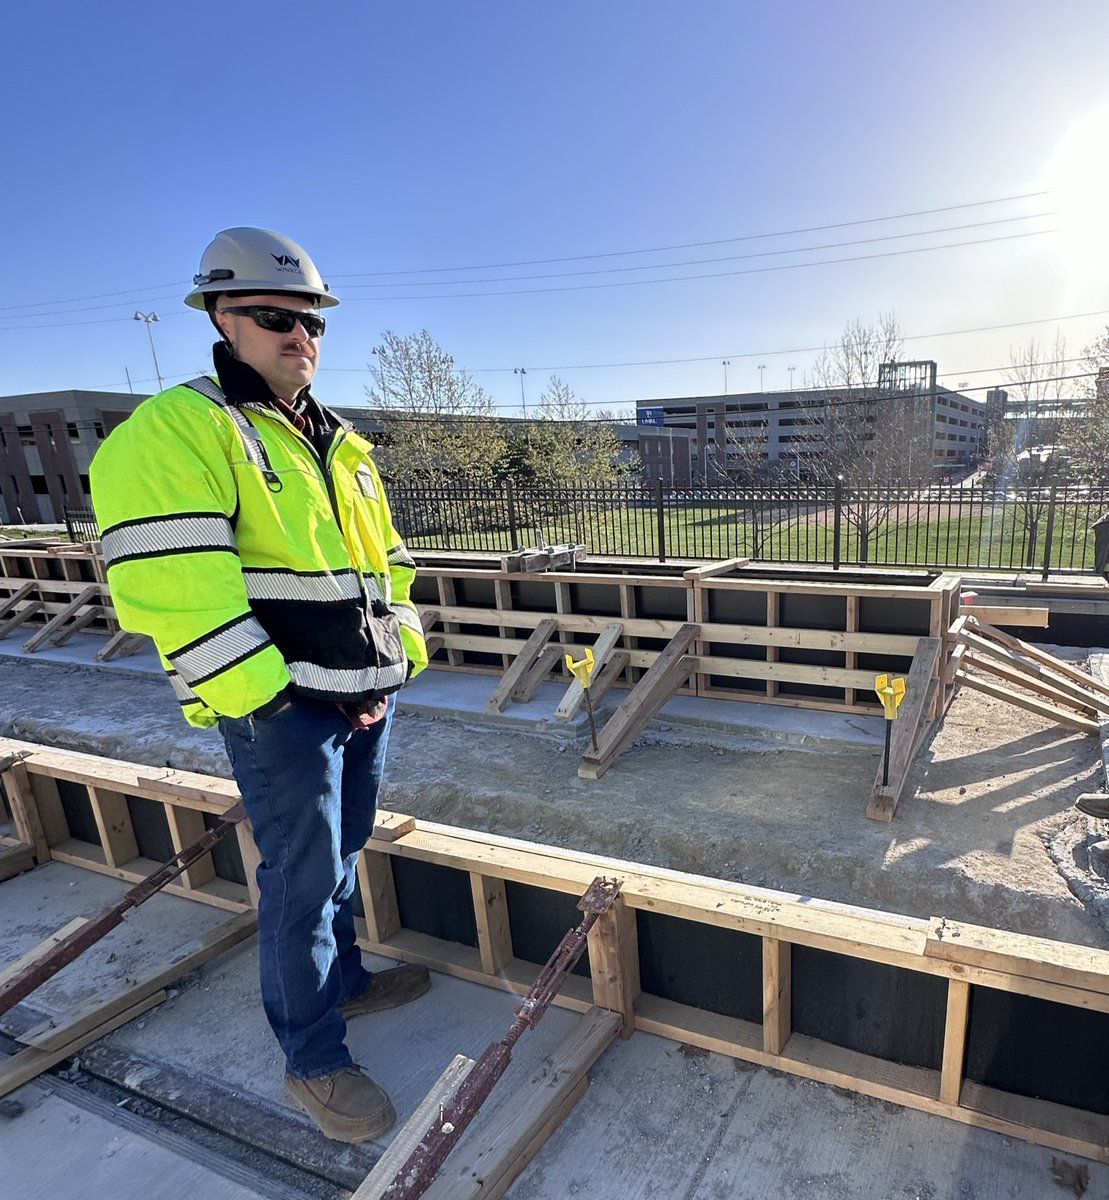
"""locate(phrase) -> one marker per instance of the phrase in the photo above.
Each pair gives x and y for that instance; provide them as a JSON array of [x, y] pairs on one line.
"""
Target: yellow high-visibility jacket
[[250, 562]]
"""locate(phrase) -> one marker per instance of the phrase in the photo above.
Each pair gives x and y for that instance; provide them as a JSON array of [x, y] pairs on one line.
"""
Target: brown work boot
[[389, 989], [347, 1106]]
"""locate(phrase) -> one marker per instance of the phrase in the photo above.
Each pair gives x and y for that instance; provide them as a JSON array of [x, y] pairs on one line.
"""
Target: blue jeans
[[310, 785]]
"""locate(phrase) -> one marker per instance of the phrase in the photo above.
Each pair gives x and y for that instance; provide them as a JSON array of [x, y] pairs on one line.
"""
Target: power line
[[96, 296], [61, 312], [587, 287], [750, 237], [692, 262]]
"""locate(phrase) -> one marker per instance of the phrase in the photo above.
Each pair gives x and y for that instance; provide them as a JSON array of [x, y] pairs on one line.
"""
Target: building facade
[[47, 441], [784, 434]]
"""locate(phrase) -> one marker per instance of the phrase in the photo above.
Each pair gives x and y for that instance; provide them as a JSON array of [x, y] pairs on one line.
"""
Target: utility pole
[[150, 318], [726, 364], [522, 371]]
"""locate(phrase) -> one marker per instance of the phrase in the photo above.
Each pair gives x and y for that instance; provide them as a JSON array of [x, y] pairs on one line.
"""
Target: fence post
[[660, 520], [837, 523], [1050, 534], [512, 532]]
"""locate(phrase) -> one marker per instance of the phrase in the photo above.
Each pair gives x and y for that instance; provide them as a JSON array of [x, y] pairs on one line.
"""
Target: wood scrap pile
[[1047, 685]]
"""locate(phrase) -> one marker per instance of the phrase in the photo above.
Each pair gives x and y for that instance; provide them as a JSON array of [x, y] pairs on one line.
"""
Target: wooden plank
[[602, 648], [609, 675], [954, 1040], [113, 823], [15, 860], [37, 953], [1018, 954], [59, 1031], [1071, 720], [8, 606], [494, 935], [388, 826], [115, 643], [777, 994], [992, 666], [93, 613], [1007, 614], [669, 671], [614, 963], [485, 1168], [521, 665], [737, 634], [88, 596], [1036, 674], [544, 665], [30, 609], [636, 715], [26, 1064], [379, 1183], [773, 613], [1041, 656], [907, 730], [379, 895], [21, 801], [718, 568]]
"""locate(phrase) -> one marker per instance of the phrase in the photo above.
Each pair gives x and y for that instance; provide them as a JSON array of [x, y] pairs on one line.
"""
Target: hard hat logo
[[285, 260]]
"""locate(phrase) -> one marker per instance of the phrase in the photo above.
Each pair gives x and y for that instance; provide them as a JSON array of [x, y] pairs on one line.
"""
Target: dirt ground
[[985, 831]]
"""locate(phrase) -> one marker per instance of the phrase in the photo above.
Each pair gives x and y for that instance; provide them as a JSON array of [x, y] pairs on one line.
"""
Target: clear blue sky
[[397, 140]]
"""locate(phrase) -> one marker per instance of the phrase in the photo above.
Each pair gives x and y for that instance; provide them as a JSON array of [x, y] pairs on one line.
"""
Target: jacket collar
[[241, 383]]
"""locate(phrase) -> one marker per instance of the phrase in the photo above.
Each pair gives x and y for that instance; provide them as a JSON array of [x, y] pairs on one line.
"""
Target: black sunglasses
[[279, 320]]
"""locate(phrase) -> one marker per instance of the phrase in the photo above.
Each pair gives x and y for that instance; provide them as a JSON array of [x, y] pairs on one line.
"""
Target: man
[[245, 529]]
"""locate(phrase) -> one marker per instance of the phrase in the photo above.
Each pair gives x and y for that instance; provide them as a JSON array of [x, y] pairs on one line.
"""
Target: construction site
[[791, 871]]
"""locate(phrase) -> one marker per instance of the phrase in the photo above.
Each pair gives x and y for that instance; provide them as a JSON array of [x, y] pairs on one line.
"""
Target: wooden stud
[[185, 826], [447, 599], [544, 665], [113, 823], [777, 994], [379, 895], [15, 859], [57, 623], [614, 963], [25, 813], [494, 936], [954, 1040], [251, 856], [851, 660], [1040, 656], [773, 609]]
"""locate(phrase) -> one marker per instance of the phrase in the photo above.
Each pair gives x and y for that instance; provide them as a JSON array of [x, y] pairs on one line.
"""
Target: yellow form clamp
[[582, 671], [891, 692]]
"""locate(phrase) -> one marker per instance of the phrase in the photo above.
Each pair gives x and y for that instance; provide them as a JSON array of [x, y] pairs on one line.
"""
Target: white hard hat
[[256, 260]]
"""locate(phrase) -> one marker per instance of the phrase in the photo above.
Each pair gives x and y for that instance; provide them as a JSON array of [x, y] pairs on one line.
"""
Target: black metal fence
[[943, 527], [80, 524], [1045, 530]]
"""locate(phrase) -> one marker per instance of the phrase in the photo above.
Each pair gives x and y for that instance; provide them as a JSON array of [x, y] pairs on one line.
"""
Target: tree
[[566, 444], [1090, 437], [1028, 443], [439, 425], [871, 437]]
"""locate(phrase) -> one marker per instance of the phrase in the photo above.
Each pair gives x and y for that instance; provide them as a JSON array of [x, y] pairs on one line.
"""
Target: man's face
[[286, 361]]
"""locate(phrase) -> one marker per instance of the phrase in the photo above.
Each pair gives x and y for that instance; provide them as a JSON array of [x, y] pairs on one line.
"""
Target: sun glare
[[1078, 174]]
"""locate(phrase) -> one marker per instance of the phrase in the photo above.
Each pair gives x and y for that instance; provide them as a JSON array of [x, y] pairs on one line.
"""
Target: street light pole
[[150, 318], [522, 371], [762, 367], [791, 370], [726, 364]]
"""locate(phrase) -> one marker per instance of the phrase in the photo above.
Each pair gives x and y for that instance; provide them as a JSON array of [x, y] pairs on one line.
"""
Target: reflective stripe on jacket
[[248, 579]]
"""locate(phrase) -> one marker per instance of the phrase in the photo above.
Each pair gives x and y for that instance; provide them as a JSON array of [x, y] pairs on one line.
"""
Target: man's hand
[[364, 713]]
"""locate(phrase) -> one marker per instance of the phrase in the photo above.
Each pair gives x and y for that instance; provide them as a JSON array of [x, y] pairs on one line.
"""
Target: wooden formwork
[[50, 590], [803, 639], [986, 1027]]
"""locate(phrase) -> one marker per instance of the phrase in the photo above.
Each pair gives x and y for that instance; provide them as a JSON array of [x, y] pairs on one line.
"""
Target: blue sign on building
[[652, 415]]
